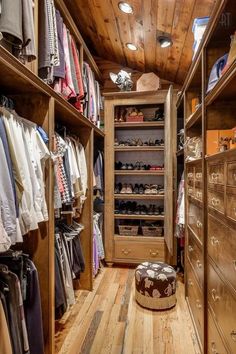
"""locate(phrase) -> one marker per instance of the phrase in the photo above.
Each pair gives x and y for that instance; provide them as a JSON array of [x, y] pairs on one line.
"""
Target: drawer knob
[[153, 254], [126, 252], [190, 174], [234, 176], [233, 335], [199, 264], [198, 304], [214, 295], [190, 248], [214, 241], [215, 202]]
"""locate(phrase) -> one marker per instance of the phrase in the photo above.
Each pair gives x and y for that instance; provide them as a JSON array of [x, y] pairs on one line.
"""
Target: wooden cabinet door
[[170, 142]]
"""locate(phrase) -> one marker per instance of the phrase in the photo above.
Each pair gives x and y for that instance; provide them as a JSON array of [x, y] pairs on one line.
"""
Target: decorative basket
[[134, 119], [152, 231], [125, 230]]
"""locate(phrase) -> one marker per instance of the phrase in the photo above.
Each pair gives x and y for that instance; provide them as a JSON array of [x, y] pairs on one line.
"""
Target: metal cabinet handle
[[213, 348], [214, 241], [233, 335], [126, 252], [199, 264], [190, 248], [198, 304], [190, 283], [214, 295], [199, 224], [153, 254]]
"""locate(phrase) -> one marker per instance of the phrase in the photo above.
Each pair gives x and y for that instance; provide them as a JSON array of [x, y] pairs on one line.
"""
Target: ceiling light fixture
[[165, 41], [131, 46], [125, 7]]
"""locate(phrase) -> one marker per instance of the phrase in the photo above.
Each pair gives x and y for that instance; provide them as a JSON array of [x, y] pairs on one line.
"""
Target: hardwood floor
[[108, 320]]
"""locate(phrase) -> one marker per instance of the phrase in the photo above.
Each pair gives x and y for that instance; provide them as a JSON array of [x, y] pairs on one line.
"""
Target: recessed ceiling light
[[125, 7], [131, 46], [165, 41]]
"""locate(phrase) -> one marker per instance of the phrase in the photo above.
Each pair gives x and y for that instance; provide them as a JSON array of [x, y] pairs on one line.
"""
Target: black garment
[[78, 265], [33, 311], [60, 294], [13, 309]]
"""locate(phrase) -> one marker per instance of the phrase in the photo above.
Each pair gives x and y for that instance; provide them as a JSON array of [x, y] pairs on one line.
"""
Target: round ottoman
[[155, 285]]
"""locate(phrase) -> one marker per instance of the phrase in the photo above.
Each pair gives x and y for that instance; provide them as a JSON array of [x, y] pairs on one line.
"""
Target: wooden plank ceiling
[[106, 30]]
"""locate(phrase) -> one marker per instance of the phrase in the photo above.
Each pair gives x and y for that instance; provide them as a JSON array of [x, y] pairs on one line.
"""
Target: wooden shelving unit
[[208, 249], [39, 103], [151, 155]]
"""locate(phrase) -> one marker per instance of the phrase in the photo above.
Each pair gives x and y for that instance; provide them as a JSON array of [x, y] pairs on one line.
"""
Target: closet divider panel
[[170, 143], [87, 139]]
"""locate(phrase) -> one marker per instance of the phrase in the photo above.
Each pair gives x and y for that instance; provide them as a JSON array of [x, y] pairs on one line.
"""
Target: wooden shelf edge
[[193, 161], [139, 148], [141, 125], [121, 94], [139, 196], [141, 238], [139, 173], [193, 119], [220, 155], [141, 217]]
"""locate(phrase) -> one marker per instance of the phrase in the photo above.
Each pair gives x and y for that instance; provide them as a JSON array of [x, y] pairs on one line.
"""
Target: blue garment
[[3, 137], [216, 72], [43, 134]]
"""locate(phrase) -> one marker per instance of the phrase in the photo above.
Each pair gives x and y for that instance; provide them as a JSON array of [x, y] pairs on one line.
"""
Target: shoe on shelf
[[130, 166], [124, 189], [161, 210], [153, 189], [124, 166], [156, 210], [150, 210], [118, 165], [142, 167], [139, 142], [151, 142], [129, 189], [141, 189], [143, 210], [147, 189], [117, 189], [162, 143], [137, 165], [136, 189], [116, 142]]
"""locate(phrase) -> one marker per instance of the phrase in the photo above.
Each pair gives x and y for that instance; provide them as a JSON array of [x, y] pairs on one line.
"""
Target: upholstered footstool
[[155, 285]]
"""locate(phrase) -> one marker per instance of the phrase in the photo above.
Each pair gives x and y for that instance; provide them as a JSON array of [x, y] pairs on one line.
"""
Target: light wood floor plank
[[109, 321]]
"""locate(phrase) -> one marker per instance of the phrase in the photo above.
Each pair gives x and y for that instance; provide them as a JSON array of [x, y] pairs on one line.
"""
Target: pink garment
[[68, 89], [77, 68]]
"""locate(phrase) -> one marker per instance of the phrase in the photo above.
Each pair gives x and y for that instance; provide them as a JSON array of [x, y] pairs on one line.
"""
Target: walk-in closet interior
[[117, 176]]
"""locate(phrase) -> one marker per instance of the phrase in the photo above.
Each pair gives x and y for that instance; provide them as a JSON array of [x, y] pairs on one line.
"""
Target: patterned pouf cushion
[[155, 285]]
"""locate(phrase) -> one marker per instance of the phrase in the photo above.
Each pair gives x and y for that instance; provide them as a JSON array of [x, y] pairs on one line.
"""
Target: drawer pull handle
[[126, 252], [234, 263], [190, 174], [198, 304], [190, 248], [190, 283], [153, 254], [214, 295], [213, 348], [215, 202], [233, 335], [199, 264], [199, 224], [214, 241]]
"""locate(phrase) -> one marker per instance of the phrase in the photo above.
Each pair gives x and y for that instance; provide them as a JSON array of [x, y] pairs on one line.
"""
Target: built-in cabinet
[[210, 190], [153, 208]]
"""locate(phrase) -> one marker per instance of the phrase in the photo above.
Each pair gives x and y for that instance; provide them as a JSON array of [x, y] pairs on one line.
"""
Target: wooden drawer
[[140, 251], [231, 173], [190, 176], [231, 203], [223, 304], [216, 173], [194, 216], [198, 175], [195, 298], [195, 256], [216, 200], [222, 248], [215, 342], [198, 194]]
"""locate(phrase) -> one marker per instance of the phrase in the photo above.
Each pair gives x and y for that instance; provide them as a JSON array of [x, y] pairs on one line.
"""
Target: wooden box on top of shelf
[[135, 249]]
